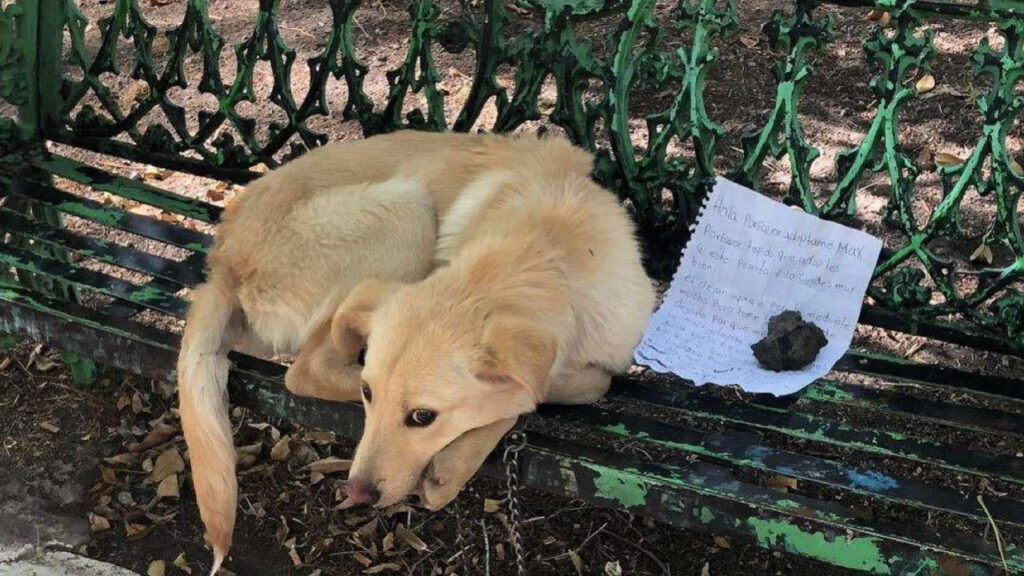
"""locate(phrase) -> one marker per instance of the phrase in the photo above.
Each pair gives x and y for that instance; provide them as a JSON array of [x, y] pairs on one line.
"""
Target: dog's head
[[439, 363]]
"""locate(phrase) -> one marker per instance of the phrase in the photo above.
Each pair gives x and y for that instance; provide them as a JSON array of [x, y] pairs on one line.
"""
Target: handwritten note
[[749, 259]]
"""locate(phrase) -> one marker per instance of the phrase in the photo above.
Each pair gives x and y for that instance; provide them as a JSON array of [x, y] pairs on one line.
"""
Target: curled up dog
[[476, 276]]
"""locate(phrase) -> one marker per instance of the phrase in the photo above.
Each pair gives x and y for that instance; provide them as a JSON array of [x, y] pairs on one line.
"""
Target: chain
[[514, 442]]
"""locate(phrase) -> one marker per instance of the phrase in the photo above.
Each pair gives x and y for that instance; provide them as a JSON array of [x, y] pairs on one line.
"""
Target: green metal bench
[[868, 495]]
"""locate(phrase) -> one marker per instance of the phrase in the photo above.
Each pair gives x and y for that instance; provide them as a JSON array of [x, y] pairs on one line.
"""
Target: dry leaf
[[748, 40], [330, 465], [123, 402], [880, 16], [126, 459], [137, 403], [1013, 164], [499, 551], [247, 455], [154, 173], [706, 570], [214, 195], [943, 159], [166, 464], [982, 253], [168, 488], [5, 363], [389, 542], [390, 566], [44, 364], [160, 433], [133, 530], [49, 427], [182, 564], [781, 483], [156, 568], [294, 555], [410, 539], [281, 450], [362, 560], [576, 562], [491, 506], [320, 437], [282, 531], [613, 568], [98, 523], [925, 84], [723, 542]]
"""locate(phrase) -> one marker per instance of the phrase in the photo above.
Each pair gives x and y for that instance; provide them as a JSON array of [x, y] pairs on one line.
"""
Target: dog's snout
[[361, 492]]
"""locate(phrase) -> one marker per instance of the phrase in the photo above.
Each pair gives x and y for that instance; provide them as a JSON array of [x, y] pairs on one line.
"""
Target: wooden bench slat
[[828, 431], [147, 296], [981, 420], [863, 362], [699, 495], [107, 215], [172, 271], [128, 188], [746, 450]]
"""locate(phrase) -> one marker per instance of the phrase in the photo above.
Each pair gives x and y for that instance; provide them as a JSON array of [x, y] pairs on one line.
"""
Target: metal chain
[[514, 442]]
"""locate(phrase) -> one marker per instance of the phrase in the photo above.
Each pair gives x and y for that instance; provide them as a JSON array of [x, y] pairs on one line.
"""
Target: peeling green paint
[[860, 553], [628, 490]]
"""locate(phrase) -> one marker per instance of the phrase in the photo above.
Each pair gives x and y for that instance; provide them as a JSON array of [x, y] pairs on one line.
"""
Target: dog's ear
[[350, 325], [515, 351]]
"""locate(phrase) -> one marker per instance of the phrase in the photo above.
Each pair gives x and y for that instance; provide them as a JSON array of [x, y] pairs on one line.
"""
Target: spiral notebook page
[[750, 258]]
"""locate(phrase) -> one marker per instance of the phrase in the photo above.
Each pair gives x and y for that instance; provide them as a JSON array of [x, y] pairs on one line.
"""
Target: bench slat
[[128, 188], [862, 362], [698, 495], [174, 272], [745, 450], [817, 429], [107, 215], [147, 296]]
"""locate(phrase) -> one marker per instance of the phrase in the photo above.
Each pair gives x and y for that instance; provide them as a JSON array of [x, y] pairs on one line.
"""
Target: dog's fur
[[537, 295]]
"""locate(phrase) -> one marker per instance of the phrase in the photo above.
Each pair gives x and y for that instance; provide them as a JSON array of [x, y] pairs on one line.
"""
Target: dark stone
[[791, 343]]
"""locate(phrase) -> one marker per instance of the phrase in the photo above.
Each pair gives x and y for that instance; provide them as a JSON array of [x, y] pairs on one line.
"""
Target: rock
[[791, 343]]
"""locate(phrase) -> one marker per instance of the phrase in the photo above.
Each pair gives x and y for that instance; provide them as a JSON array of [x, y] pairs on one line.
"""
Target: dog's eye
[[361, 360], [367, 393], [420, 418]]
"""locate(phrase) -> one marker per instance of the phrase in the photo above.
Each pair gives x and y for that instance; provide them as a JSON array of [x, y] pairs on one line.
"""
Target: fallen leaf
[[282, 531], [294, 555], [781, 483], [98, 523], [166, 464], [362, 560], [152, 172], [168, 488], [123, 402], [160, 433], [281, 450], [182, 564], [156, 568], [925, 84], [214, 195], [133, 530], [388, 567], [126, 459], [880, 16], [410, 539], [723, 542], [247, 455], [499, 551], [748, 40], [576, 562], [5, 363], [330, 465], [943, 159], [613, 568], [389, 542], [49, 427], [983, 253], [138, 405], [706, 570], [491, 506]]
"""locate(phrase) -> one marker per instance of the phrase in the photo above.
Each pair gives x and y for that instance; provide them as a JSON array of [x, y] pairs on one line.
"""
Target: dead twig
[[995, 530], [664, 568]]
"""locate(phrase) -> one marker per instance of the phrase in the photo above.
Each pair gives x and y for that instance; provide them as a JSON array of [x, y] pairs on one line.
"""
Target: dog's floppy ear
[[515, 351], [350, 325]]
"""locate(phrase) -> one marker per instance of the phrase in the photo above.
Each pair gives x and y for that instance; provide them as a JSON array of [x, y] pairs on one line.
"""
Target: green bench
[[882, 473]]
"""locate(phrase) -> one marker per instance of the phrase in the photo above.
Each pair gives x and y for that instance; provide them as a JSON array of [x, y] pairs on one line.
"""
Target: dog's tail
[[202, 388]]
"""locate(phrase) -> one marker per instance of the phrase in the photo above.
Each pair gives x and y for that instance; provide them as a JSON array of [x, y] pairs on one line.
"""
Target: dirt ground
[[112, 455]]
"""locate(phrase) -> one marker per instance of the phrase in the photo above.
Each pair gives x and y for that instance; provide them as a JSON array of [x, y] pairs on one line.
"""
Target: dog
[[450, 282]]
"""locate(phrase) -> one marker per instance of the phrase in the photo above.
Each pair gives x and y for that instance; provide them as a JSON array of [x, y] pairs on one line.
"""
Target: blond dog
[[480, 275]]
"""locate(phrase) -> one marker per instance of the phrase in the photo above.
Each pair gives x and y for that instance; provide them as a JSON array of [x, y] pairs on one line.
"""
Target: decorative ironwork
[[538, 42]]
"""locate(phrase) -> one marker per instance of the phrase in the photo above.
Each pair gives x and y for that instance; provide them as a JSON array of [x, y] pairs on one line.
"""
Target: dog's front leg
[[453, 466]]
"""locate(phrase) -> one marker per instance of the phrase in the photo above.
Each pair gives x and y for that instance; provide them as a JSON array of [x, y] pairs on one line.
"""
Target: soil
[[70, 447]]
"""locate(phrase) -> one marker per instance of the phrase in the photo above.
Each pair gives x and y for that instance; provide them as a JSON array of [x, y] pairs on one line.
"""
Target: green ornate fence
[[59, 82]]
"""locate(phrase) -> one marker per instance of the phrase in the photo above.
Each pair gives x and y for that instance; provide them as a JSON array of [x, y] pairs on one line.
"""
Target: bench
[[892, 466]]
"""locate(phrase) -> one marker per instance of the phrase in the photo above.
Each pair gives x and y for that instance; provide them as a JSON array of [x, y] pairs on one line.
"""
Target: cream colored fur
[[539, 298]]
